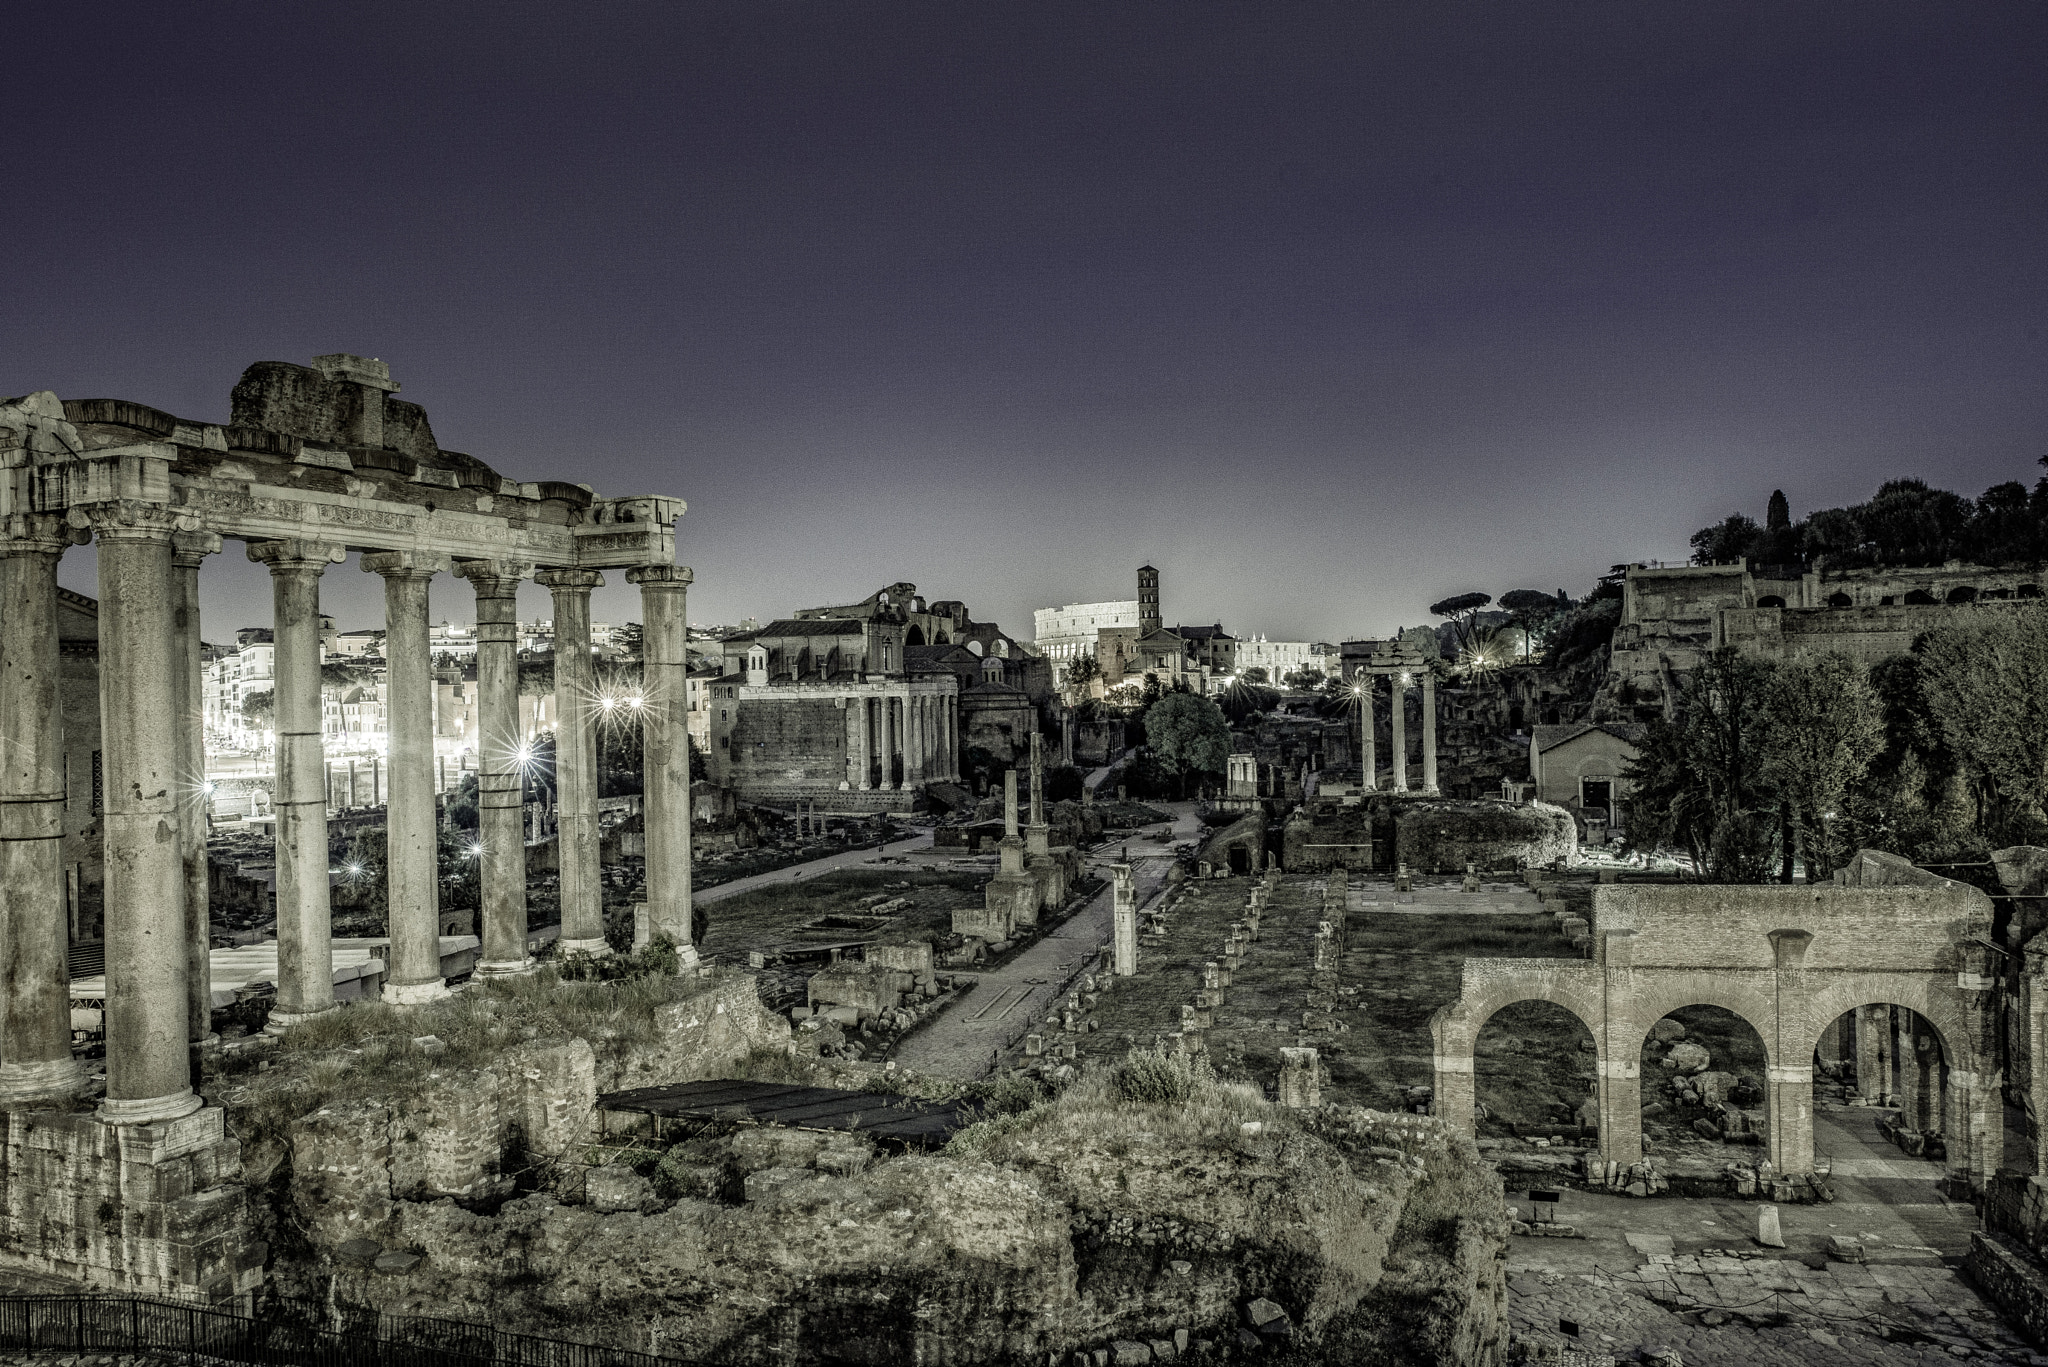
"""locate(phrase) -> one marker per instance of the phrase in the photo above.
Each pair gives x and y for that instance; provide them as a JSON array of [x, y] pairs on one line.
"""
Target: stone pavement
[[1689, 1274], [846, 859], [1007, 1003]]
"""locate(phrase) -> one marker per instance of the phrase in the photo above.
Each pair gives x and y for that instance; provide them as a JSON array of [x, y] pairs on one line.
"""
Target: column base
[[596, 949], [416, 994], [281, 1021], [505, 968], [148, 1110], [1431, 790], [687, 956], [54, 1079]]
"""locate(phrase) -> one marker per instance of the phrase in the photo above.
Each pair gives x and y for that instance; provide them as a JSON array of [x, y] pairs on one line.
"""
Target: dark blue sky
[[1327, 311]]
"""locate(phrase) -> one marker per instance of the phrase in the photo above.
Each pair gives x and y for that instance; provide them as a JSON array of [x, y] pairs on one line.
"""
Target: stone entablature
[[316, 462]]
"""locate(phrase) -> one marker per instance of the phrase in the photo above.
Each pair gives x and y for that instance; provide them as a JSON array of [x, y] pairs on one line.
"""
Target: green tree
[[1730, 539], [1080, 672], [1254, 675], [1984, 677], [1307, 680], [1531, 611], [1700, 779], [260, 709], [1826, 727], [1188, 735], [1244, 699], [1461, 610], [1152, 692]]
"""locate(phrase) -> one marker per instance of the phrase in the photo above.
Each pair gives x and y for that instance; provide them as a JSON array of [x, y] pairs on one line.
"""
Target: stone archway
[[1786, 959]]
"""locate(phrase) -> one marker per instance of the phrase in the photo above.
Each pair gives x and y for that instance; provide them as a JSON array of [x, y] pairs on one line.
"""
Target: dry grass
[[1175, 1098]]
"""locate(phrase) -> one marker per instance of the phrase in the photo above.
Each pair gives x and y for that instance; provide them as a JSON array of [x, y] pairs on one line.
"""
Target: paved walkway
[[844, 860], [1689, 1274], [1008, 1003]]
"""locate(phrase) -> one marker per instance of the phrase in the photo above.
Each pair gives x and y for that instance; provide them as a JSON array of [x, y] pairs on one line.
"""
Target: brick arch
[[1914, 992], [1473, 1009], [1659, 994]]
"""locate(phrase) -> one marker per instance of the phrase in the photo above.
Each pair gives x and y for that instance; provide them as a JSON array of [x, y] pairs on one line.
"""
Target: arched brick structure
[[1788, 960]]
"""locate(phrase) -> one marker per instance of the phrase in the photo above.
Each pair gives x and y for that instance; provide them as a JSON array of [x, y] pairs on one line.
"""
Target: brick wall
[[798, 742]]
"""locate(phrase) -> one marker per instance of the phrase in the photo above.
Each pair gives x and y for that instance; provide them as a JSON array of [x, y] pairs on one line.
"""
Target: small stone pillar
[[1429, 732], [501, 766], [664, 722], [411, 842], [1300, 1079], [35, 1013], [1871, 1027], [305, 956], [1125, 921], [576, 838]]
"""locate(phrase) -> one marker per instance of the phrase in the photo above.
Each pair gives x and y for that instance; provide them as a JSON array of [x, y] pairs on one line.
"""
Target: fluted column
[[501, 759], [886, 704], [149, 1071], [576, 838], [1429, 734], [953, 735], [35, 1015], [856, 716], [305, 955], [188, 551], [1400, 718], [412, 864], [664, 606]]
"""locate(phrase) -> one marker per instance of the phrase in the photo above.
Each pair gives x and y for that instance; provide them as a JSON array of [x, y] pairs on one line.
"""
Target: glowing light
[[475, 851]]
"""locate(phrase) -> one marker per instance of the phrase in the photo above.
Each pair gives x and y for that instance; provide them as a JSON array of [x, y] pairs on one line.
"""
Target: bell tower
[[1148, 601]]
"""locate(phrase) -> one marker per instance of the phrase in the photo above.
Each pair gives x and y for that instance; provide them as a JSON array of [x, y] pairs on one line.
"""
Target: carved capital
[[297, 554], [39, 534], [582, 581], [661, 576], [494, 578], [131, 519], [188, 549], [406, 564]]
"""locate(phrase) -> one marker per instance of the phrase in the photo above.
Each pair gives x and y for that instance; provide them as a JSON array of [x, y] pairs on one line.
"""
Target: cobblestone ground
[[1687, 1275]]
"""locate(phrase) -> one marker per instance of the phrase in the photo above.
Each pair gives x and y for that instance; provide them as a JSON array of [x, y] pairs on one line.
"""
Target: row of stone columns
[[158, 999], [922, 728], [1369, 741]]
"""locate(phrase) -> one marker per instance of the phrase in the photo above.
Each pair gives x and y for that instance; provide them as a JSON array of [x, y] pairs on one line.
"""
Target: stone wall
[[154, 1209], [1447, 834], [2012, 1282], [795, 743]]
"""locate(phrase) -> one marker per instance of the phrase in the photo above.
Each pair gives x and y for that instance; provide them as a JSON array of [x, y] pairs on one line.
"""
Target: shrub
[[1157, 1076]]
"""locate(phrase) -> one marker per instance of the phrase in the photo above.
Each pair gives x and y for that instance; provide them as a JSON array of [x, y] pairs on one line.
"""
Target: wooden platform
[[880, 1115]]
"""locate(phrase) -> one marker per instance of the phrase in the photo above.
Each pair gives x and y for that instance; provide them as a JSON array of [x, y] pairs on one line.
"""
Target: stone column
[[1037, 780], [576, 838], [1904, 1031], [1620, 1098], [913, 740], [1870, 1084], [887, 705], [188, 550], [664, 600], [411, 841], [1451, 1097], [149, 1070], [1429, 733], [865, 726], [1926, 1059], [1124, 936], [305, 957], [1400, 718], [502, 752], [1300, 1079], [1368, 729], [35, 1014]]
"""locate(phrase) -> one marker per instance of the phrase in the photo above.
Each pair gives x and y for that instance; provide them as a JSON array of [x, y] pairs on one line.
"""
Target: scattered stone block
[[1262, 1312], [396, 1264], [616, 1187], [1129, 1353], [360, 1251], [759, 1184], [1767, 1232], [1163, 1350]]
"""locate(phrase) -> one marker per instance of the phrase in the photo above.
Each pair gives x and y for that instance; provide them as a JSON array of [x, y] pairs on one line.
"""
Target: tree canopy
[[1188, 735]]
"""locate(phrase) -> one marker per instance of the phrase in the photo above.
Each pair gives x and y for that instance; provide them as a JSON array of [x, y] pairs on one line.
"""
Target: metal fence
[[299, 1333]]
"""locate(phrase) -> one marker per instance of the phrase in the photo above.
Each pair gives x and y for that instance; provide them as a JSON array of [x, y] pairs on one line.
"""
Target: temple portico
[[1402, 670]]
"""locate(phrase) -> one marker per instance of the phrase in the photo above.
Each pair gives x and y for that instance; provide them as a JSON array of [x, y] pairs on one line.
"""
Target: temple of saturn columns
[[312, 463]]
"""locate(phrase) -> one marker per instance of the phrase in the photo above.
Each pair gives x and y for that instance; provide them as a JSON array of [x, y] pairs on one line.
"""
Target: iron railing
[[298, 1333]]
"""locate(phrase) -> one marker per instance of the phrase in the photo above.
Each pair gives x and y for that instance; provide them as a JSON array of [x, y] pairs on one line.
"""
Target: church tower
[[1148, 601]]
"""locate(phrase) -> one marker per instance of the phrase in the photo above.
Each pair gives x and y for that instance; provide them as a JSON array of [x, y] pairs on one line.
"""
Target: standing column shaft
[[1037, 780], [501, 756], [1124, 922], [888, 706], [188, 551], [1399, 713], [1870, 1083], [411, 842], [1429, 733], [1368, 729], [576, 836], [149, 1072], [664, 603], [864, 724], [35, 1015], [305, 955]]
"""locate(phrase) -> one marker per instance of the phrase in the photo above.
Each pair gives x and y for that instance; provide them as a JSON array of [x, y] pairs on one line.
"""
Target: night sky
[[1327, 311]]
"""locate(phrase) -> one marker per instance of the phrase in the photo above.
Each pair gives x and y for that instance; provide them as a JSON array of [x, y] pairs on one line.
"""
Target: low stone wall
[[2010, 1281], [1448, 834]]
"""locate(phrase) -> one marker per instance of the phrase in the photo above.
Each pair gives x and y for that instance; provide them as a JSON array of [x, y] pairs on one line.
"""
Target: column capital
[[130, 519], [188, 549], [494, 578], [297, 553], [39, 533], [406, 564], [563, 578], [658, 576]]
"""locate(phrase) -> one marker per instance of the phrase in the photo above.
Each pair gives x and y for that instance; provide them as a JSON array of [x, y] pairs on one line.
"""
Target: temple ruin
[[313, 462]]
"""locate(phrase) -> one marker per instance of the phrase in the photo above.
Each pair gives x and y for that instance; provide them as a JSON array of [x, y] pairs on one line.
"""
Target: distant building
[[1281, 658], [1581, 766], [1130, 640]]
